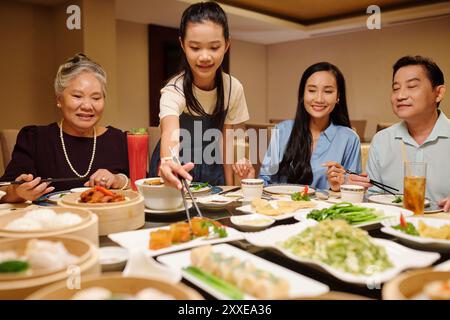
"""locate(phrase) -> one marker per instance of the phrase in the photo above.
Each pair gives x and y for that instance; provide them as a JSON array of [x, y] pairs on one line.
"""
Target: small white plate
[[319, 205], [201, 190], [388, 198], [214, 201], [170, 211], [113, 258], [388, 211], [81, 189], [287, 189], [57, 196], [252, 222], [417, 241]]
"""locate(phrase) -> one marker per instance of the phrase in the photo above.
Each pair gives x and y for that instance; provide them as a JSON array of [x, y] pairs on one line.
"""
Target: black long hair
[[296, 163], [199, 13]]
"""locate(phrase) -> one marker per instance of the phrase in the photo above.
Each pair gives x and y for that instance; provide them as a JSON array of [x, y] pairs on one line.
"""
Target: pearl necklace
[[67, 157]]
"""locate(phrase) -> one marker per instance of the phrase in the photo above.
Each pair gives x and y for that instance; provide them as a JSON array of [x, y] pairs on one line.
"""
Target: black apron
[[202, 172]]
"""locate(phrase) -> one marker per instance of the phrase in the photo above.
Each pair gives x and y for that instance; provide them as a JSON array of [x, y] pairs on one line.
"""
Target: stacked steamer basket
[[115, 216], [413, 285], [117, 284], [21, 285], [87, 228]]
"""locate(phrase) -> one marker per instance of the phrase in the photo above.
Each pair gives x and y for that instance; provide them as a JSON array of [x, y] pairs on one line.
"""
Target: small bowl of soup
[[158, 196]]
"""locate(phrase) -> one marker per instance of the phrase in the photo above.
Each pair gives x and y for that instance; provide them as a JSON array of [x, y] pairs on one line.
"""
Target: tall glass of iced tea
[[414, 186]]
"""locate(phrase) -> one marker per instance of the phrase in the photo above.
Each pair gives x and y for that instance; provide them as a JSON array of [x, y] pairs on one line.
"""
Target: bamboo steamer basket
[[21, 286], [410, 285], [112, 217], [117, 284], [87, 228], [6, 208], [336, 295]]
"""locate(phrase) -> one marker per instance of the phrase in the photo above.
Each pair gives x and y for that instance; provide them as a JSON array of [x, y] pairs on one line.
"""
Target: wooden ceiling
[[307, 12]]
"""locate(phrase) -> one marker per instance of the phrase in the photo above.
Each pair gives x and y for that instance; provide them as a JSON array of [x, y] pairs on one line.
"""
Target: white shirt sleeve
[[172, 101]]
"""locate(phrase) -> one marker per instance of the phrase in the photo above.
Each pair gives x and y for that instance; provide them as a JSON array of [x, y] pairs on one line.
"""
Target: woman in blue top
[[316, 147]]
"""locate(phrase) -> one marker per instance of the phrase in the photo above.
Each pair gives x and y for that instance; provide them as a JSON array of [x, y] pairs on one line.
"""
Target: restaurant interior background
[[268, 52]]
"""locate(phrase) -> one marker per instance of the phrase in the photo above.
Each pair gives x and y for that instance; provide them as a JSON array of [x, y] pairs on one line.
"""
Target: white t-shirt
[[172, 100]]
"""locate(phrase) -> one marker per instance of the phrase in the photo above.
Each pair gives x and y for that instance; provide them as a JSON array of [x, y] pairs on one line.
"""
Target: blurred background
[[272, 44]]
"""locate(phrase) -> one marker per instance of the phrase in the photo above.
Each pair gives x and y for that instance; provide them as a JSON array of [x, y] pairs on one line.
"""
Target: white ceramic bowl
[[252, 222], [352, 193], [113, 258], [159, 197]]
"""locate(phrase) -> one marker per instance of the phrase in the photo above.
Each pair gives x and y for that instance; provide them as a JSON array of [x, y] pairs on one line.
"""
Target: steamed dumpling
[[43, 254], [8, 255], [23, 224], [43, 216], [66, 219], [152, 294], [41, 219], [93, 293]]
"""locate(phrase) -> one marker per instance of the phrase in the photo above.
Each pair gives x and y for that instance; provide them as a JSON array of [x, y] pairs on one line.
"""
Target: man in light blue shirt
[[424, 132]]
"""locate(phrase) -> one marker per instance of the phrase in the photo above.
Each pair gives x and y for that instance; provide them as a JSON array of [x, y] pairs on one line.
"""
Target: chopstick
[[382, 188], [7, 183], [231, 190], [186, 186], [186, 209], [377, 184]]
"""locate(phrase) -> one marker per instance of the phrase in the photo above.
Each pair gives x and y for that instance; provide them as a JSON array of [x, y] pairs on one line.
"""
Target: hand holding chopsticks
[[186, 186], [367, 182], [26, 187], [49, 180], [171, 172]]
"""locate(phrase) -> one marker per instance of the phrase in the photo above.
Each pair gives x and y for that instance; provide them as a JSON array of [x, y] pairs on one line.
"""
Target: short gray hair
[[76, 65]]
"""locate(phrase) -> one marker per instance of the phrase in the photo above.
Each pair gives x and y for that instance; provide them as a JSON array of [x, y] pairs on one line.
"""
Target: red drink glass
[[137, 156]]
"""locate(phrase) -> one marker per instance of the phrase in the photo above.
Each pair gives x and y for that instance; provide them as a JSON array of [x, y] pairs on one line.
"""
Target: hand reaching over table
[[244, 169], [361, 180], [445, 204], [105, 178], [170, 171]]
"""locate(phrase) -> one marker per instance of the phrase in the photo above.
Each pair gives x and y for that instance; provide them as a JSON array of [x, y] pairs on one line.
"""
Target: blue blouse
[[336, 143]]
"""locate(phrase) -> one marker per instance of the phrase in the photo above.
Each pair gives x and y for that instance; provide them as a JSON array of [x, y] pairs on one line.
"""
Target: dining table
[[223, 215], [343, 289]]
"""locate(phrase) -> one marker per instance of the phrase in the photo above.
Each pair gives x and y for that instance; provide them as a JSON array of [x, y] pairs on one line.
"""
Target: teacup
[[352, 193], [252, 188]]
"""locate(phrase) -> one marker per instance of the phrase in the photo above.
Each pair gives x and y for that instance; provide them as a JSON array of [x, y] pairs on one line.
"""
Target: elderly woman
[[75, 147]]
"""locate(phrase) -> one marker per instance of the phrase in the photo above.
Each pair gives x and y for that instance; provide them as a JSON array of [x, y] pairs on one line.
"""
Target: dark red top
[[38, 151]]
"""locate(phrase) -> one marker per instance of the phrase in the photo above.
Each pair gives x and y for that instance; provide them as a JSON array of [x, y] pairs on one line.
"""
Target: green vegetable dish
[[199, 185], [348, 212], [13, 266], [340, 246], [298, 196], [397, 199], [220, 231], [220, 285], [409, 228]]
